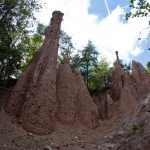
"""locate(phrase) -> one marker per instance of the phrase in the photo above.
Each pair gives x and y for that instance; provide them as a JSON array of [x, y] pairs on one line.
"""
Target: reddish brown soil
[[79, 137], [65, 137]]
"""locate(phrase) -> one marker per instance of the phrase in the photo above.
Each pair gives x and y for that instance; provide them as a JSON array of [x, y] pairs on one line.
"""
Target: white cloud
[[109, 34], [120, 36]]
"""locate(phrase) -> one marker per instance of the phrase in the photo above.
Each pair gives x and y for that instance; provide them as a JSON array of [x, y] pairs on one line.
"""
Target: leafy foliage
[[148, 67], [100, 75], [134, 128], [76, 62], [66, 47], [41, 29], [88, 60], [29, 46], [141, 7], [96, 74], [15, 17], [83, 61]]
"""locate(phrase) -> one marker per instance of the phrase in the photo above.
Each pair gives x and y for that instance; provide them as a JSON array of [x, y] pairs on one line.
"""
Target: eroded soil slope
[[133, 134]]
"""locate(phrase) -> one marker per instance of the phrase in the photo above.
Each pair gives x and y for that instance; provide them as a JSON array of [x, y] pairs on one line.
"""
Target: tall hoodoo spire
[[34, 96], [117, 57]]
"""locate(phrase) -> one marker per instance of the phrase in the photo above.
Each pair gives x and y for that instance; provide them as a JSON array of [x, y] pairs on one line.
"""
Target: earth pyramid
[[33, 99], [44, 94]]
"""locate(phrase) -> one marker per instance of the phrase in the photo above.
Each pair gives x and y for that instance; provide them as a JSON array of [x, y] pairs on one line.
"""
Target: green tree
[[142, 8], [28, 47], [30, 44], [15, 17], [88, 59], [41, 29], [76, 62], [148, 67], [65, 47], [100, 75]]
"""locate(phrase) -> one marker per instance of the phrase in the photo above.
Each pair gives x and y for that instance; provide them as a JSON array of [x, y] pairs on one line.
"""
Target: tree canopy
[[148, 67], [88, 59], [141, 9], [100, 75], [15, 17], [65, 47]]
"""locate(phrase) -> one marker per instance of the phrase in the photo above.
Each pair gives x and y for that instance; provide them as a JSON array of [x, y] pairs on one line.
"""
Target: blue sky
[[89, 20], [98, 8]]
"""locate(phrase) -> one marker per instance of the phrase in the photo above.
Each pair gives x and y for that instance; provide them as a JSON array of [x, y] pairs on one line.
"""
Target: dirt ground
[[65, 137], [132, 134]]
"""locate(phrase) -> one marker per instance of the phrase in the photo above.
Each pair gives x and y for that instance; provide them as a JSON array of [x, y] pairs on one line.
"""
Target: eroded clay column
[[38, 85]]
